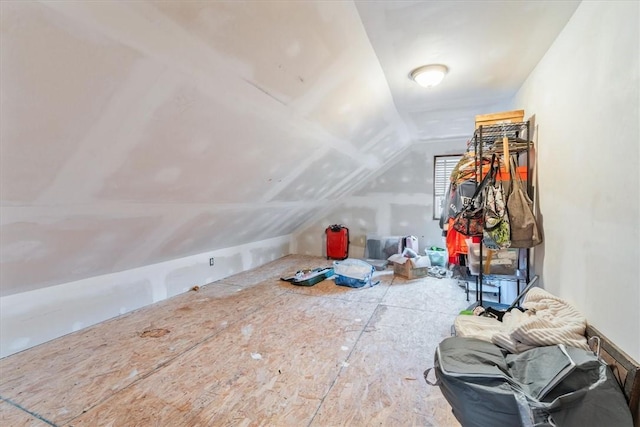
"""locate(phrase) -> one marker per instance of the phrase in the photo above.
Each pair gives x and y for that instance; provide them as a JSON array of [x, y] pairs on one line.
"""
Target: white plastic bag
[[353, 273]]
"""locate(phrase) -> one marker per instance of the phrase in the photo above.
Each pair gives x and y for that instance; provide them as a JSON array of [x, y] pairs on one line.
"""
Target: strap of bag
[[495, 162], [485, 180], [514, 177], [426, 378]]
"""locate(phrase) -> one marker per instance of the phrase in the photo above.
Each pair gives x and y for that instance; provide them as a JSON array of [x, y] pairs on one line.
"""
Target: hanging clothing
[[455, 243]]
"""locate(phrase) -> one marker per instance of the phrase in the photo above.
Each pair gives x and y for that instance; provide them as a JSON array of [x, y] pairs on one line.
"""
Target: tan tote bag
[[524, 227]]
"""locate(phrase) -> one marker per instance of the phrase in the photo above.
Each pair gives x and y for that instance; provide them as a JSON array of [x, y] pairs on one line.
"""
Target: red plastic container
[[337, 241]]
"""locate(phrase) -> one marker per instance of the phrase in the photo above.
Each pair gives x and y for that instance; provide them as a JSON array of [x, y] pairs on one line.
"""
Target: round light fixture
[[429, 75]]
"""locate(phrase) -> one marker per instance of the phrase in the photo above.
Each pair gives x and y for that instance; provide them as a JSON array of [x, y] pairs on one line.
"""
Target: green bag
[[497, 230]]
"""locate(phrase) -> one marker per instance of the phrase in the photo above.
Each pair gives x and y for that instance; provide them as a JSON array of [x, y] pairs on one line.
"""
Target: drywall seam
[[144, 90], [196, 59], [376, 199], [445, 139], [391, 162], [12, 213], [141, 250], [383, 219], [294, 174], [344, 189], [329, 206], [31, 318]]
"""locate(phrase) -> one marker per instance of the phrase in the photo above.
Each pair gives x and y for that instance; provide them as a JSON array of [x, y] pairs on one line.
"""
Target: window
[[442, 168]]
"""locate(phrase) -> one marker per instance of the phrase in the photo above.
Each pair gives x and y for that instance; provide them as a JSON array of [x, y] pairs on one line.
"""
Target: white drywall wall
[[134, 133], [31, 318], [584, 95], [398, 201], [395, 200]]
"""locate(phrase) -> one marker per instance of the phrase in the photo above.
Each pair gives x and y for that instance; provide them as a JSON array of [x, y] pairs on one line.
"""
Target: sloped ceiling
[[138, 132]]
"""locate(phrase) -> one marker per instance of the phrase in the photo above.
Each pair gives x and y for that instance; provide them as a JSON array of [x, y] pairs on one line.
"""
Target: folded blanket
[[482, 328], [549, 320]]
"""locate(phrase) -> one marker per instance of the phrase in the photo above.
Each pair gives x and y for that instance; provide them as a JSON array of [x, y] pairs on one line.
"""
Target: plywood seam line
[[355, 344], [33, 414], [248, 336], [172, 359], [413, 308], [328, 297]]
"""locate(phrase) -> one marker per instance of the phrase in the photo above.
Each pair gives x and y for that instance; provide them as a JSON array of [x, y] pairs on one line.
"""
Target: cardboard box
[[515, 116], [411, 268]]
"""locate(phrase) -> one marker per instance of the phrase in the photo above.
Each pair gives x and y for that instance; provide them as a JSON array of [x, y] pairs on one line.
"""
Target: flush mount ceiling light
[[429, 75]]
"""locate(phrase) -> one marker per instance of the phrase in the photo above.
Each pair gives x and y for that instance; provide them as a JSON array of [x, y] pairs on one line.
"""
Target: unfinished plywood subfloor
[[247, 350], [11, 415]]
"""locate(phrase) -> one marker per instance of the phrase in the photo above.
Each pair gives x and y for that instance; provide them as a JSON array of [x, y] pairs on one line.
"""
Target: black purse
[[470, 220]]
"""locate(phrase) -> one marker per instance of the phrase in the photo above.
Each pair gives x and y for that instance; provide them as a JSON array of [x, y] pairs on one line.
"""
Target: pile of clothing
[[546, 320]]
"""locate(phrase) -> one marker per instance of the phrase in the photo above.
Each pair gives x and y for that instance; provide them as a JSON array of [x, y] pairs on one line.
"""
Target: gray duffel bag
[[545, 386]]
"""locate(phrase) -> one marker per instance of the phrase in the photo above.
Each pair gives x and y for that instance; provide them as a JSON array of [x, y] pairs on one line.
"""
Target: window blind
[[442, 168]]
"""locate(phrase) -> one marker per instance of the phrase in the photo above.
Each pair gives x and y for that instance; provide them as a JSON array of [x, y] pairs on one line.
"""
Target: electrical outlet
[[211, 262]]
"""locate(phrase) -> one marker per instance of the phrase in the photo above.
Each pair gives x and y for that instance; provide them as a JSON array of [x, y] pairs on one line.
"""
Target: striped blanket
[[548, 320]]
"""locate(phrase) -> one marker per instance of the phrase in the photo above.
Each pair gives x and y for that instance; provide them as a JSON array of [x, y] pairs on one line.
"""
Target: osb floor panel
[[245, 351], [11, 415]]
